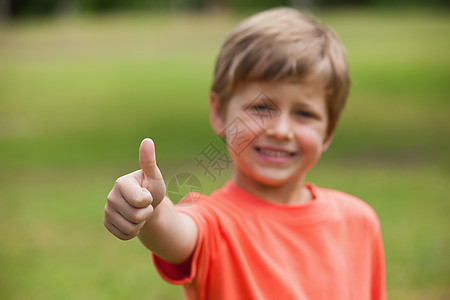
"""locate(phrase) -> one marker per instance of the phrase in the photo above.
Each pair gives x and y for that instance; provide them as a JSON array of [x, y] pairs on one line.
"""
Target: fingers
[[130, 213], [125, 221], [127, 208], [120, 227], [129, 188], [131, 202]]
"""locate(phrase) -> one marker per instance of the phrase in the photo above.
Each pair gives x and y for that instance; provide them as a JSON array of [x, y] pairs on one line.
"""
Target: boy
[[280, 84]]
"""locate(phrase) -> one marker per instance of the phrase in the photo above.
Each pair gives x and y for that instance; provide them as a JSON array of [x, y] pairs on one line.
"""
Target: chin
[[272, 180]]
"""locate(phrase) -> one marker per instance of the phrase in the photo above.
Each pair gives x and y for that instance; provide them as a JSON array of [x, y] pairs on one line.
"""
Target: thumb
[[152, 179], [147, 159]]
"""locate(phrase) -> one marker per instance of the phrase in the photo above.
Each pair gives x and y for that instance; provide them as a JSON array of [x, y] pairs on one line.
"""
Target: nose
[[279, 127]]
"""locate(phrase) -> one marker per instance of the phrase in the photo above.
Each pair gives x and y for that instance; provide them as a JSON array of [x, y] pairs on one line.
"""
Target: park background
[[83, 82]]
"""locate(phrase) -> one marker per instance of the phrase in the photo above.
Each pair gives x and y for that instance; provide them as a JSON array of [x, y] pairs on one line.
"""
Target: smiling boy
[[281, 81]]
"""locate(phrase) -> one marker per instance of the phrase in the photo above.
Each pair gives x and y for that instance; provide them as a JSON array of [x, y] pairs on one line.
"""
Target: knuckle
[[111, 228], [109, 213], [124, 237], [119, 182], [141, 200], [113, 198], [110, 196], [106, 213], [140, 218], [143, 215], [130, 230], [135, 219], [118, 233]]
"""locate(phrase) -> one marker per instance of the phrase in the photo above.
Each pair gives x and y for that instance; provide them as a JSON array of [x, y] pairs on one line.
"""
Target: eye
[[261, 107], [305, 114], [262, 110]]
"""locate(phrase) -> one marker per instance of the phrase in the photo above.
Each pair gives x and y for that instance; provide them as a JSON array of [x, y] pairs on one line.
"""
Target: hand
[[133, 198]]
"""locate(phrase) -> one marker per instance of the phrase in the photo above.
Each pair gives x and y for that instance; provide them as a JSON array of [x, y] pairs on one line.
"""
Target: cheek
[[310, 140], [240, 133]]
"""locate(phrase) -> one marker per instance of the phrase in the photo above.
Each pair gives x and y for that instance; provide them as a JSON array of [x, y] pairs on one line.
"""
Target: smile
[[275, 153]]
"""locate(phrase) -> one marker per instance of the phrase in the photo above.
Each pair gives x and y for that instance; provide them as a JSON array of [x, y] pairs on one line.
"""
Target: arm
[[137, 206], [169, 234]]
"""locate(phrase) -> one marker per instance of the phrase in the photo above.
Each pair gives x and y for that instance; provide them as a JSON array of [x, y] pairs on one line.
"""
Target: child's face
[[275, 131]]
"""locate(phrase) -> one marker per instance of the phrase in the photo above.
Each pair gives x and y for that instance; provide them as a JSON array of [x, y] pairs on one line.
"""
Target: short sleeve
[[196, 265], [378, 268]]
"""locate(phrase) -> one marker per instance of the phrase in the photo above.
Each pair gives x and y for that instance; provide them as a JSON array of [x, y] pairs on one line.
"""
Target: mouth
[[271, 152]]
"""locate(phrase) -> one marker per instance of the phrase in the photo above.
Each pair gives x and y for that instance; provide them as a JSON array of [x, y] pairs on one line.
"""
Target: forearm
[[169, 234]]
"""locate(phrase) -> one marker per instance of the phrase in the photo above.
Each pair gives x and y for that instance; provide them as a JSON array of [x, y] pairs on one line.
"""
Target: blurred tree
[[4, 10], [11, 9], [30, 7], [306, 4], [426, 3], [257, 4], [102, 5], [217, 5], [343, 2]]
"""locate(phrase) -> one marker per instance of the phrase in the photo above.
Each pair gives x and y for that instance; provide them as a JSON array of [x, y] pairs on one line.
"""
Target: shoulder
[[350, 208], [203, 207], [225, 209]]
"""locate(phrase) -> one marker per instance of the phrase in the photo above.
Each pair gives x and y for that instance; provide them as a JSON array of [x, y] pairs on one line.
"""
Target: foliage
[[77, 96], [25, 8]]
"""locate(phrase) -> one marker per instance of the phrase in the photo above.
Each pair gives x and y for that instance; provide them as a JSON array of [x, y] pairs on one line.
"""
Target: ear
[[216, 114], [327, 141]]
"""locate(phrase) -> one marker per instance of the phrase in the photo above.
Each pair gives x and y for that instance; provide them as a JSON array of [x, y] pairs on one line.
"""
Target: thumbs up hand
[[133, 198], [152, 179]]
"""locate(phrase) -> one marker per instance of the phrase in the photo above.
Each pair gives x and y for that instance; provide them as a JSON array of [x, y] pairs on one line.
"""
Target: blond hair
[[283, 43]]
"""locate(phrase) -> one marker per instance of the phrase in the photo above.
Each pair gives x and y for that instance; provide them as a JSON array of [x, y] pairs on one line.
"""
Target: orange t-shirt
[[248, 248]]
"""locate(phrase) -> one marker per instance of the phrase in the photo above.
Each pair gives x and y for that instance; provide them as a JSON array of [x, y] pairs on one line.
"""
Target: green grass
[[78, 95]]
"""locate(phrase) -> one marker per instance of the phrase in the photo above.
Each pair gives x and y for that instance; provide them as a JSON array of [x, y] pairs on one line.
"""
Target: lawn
[[78, 94]]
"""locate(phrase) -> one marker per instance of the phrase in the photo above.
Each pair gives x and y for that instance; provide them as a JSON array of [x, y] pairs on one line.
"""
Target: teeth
[[275, 153]]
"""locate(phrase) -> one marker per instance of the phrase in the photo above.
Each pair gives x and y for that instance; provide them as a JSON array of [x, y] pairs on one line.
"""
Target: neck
[[291, 193]]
